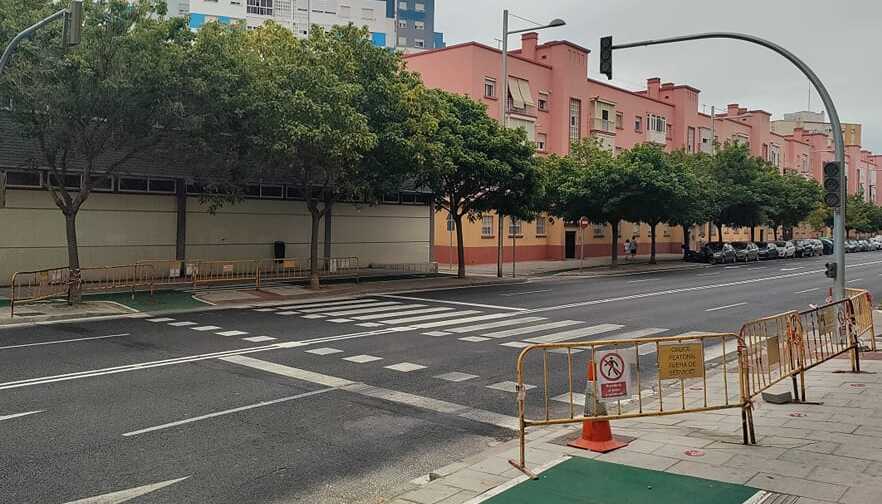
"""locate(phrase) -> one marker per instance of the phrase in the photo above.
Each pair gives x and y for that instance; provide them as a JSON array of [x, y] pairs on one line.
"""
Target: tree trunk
[[775, 232], [500, 227], [686, 238], [752, 233], [614, 253], [652, 243], [720, 234], [316, 216], [73, 258], [460, 249]]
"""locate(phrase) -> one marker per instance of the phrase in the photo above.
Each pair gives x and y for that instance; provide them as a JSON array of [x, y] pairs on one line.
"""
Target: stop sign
[[583, 222]]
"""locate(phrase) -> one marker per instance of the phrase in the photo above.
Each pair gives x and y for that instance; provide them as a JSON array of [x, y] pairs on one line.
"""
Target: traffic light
[[832, 173], [831, 270], [606, 48], [73, 24]]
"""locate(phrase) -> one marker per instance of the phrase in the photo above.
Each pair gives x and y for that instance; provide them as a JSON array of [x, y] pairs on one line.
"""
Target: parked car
[[827, 243], [786, 249], [818, 246], [767, 250], [715, 253], [864, 245], [745, 251], [851, 246], [803, 248]]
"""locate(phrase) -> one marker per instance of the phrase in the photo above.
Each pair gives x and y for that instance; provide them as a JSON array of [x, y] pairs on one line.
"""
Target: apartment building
[[407, 25], [552, 96]]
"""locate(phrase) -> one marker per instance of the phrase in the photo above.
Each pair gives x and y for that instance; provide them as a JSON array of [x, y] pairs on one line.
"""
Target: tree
[[92, 109], [792, 198], [701, 203], [739, 191], [820, 218], [473, 162]]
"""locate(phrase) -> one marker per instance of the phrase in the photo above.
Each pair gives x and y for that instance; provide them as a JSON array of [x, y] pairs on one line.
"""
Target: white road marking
[[259, 339], [405, 367], [473, 339], [574, 333], [530, 329], [435, 333], [731, 267], [578, 399], [181, 324], [327, 302], [325, 309], [266, 309], [160, 319], [313, 316], [339, 320], [523, 293], [456, 376], [362, 359], [509, 386], [807, 290], [642, 280], [19, 415], [324, 351], [404, 313], [854, 280], [369, 324], [725, 307], [127, 495], [206, 328], [710, 274], [793, 269], [57, 342], [639, 333], [232, 333], [408, 320], [379, 309], [515, 344], [467, 320], [290, 372], [477, 305], [228, 412], [493, 325], [287, 313]]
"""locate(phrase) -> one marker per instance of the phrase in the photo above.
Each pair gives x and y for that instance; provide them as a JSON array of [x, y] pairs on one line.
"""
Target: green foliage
[[791, 199]]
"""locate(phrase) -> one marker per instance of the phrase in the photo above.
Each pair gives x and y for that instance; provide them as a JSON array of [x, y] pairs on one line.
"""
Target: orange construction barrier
[[596, 435]]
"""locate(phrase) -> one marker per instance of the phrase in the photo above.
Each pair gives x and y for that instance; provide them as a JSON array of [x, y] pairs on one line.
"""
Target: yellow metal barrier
[[656, 377], [129, 276], [227, 271], [30, 286], [283, 269], [863, 312], [171, 271], [772, 351]]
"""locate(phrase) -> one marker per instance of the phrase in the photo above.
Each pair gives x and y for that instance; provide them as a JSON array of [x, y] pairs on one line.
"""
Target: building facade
[[552, 96], [407, 25]]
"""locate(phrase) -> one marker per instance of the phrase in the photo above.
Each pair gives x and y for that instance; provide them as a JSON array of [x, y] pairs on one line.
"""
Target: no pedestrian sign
[[613, 373]]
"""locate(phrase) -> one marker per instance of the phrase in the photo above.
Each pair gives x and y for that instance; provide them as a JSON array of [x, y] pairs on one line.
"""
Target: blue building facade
[[415, 24]]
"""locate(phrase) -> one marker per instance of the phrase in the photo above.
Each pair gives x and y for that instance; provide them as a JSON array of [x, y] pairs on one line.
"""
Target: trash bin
[[278, 250]]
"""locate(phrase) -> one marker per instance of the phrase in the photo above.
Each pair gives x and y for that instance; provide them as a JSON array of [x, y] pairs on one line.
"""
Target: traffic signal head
[[606, 46], [830, 270], [832, 184]]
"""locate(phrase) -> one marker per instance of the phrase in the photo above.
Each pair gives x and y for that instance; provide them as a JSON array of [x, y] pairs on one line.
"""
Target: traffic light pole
[[73, 27], [838, 213]]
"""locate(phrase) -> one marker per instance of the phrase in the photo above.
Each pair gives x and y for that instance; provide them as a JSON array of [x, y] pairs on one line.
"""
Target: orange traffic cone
[[596, 435]]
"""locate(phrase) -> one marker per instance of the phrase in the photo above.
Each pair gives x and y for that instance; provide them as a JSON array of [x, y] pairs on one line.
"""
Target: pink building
[[552, 97]]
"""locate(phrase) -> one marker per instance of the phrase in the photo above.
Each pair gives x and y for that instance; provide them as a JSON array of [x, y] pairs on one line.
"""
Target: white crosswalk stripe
[[160, 319], [205, 328], [376, 309], [574, 333], [408, 320], [287, 313], [531, 329], [306, 303], [404, 313], [639, 333], [515, 344], [494, 325], [362, 305], [492, 316], [181, 324]]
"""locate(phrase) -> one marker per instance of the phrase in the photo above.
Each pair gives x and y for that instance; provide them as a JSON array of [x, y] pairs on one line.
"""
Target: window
[[575, 120], [402, 5], [419, 7], [540, 226], [135, 184], [690, 139], [402, 41], [271, 191], [344, 11], [620, 120], [367, 14], [390, 198], [541, 141], [487, 226], [514, 227], [528, 126], [543, 101], [161, 185], [599, 230], [419, 43], [419, 25], [489, 88], [23, 179], [260, 7], [656, 123], [402, 23], [451, 224], [638, 123]]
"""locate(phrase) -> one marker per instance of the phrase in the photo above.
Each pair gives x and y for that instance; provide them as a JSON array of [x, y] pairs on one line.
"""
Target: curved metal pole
[[839, 144], [10, 49]]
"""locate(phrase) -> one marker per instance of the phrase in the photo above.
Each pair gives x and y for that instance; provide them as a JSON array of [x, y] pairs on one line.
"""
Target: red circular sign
[[583, 222], [612, 366], [694, 453]]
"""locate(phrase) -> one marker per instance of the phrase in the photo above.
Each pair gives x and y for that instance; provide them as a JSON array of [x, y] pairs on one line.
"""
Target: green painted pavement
[[586, 481]]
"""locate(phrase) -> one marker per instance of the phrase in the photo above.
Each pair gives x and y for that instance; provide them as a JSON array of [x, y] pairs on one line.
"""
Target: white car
[[786, 249]]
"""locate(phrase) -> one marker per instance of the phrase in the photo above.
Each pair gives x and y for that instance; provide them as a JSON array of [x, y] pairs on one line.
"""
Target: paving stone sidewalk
[[827, 453], [592, 266]]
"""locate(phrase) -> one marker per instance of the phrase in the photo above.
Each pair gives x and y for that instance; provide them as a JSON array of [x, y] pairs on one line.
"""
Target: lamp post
[[503, 109]]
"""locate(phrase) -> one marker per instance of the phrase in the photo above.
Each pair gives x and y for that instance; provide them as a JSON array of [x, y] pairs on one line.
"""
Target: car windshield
[[714, 246], [739, 245], [762, 245], [781, 244]]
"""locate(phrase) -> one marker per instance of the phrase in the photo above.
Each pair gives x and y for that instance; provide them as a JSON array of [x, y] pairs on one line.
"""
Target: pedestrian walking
[[633, 248], [627, 248]]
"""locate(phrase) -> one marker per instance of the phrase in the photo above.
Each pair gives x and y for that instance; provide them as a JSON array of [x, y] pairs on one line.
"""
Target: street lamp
[[503, 113]]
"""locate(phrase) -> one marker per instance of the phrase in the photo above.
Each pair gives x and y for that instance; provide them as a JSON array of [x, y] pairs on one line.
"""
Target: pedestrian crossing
[[470, 324]]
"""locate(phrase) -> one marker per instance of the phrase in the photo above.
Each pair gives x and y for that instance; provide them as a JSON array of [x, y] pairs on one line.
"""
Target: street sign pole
[[836, 126], [583, 224]]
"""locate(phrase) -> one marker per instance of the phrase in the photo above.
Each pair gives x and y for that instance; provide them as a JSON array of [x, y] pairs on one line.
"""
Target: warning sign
[[289, 264], [228, 268], [613, 373], [680, 361]]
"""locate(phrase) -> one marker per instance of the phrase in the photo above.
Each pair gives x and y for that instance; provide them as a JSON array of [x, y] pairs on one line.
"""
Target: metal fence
[[30, 286], [428, 268], [769, 350], [106, 278], [863, 309]]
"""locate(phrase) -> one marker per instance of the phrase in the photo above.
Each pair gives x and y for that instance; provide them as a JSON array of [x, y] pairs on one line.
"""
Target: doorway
[[570, 245]]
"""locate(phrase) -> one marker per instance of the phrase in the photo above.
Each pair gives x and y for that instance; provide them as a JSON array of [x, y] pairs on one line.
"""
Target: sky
[[840, 40]]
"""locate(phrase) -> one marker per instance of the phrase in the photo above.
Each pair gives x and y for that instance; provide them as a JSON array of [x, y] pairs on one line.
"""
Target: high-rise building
[[407, 25]]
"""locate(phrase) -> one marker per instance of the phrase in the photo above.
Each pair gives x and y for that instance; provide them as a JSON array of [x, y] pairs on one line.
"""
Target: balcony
[[604, 125], [658, 137], [527, 110]]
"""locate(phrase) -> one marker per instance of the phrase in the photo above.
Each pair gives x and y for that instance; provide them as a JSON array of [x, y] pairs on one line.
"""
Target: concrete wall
[[123, 228]]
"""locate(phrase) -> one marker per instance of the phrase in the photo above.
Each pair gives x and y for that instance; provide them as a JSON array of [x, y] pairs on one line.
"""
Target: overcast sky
[[839, 39]]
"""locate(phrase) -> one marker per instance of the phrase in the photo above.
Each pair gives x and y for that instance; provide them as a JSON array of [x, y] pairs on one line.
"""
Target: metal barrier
[[130, 276], [635, 378], [829, 331], [772, 351], [283, 269], [338, 266], [30, 286], [431, 267], [863, 310], [171, 271], [227, 271]]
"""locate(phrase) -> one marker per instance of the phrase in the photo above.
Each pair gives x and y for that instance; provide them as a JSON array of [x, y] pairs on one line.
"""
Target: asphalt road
[[337, 401]]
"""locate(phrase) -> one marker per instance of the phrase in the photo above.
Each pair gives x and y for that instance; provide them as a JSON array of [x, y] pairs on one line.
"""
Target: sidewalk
[[591, 266], [805, 454]]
